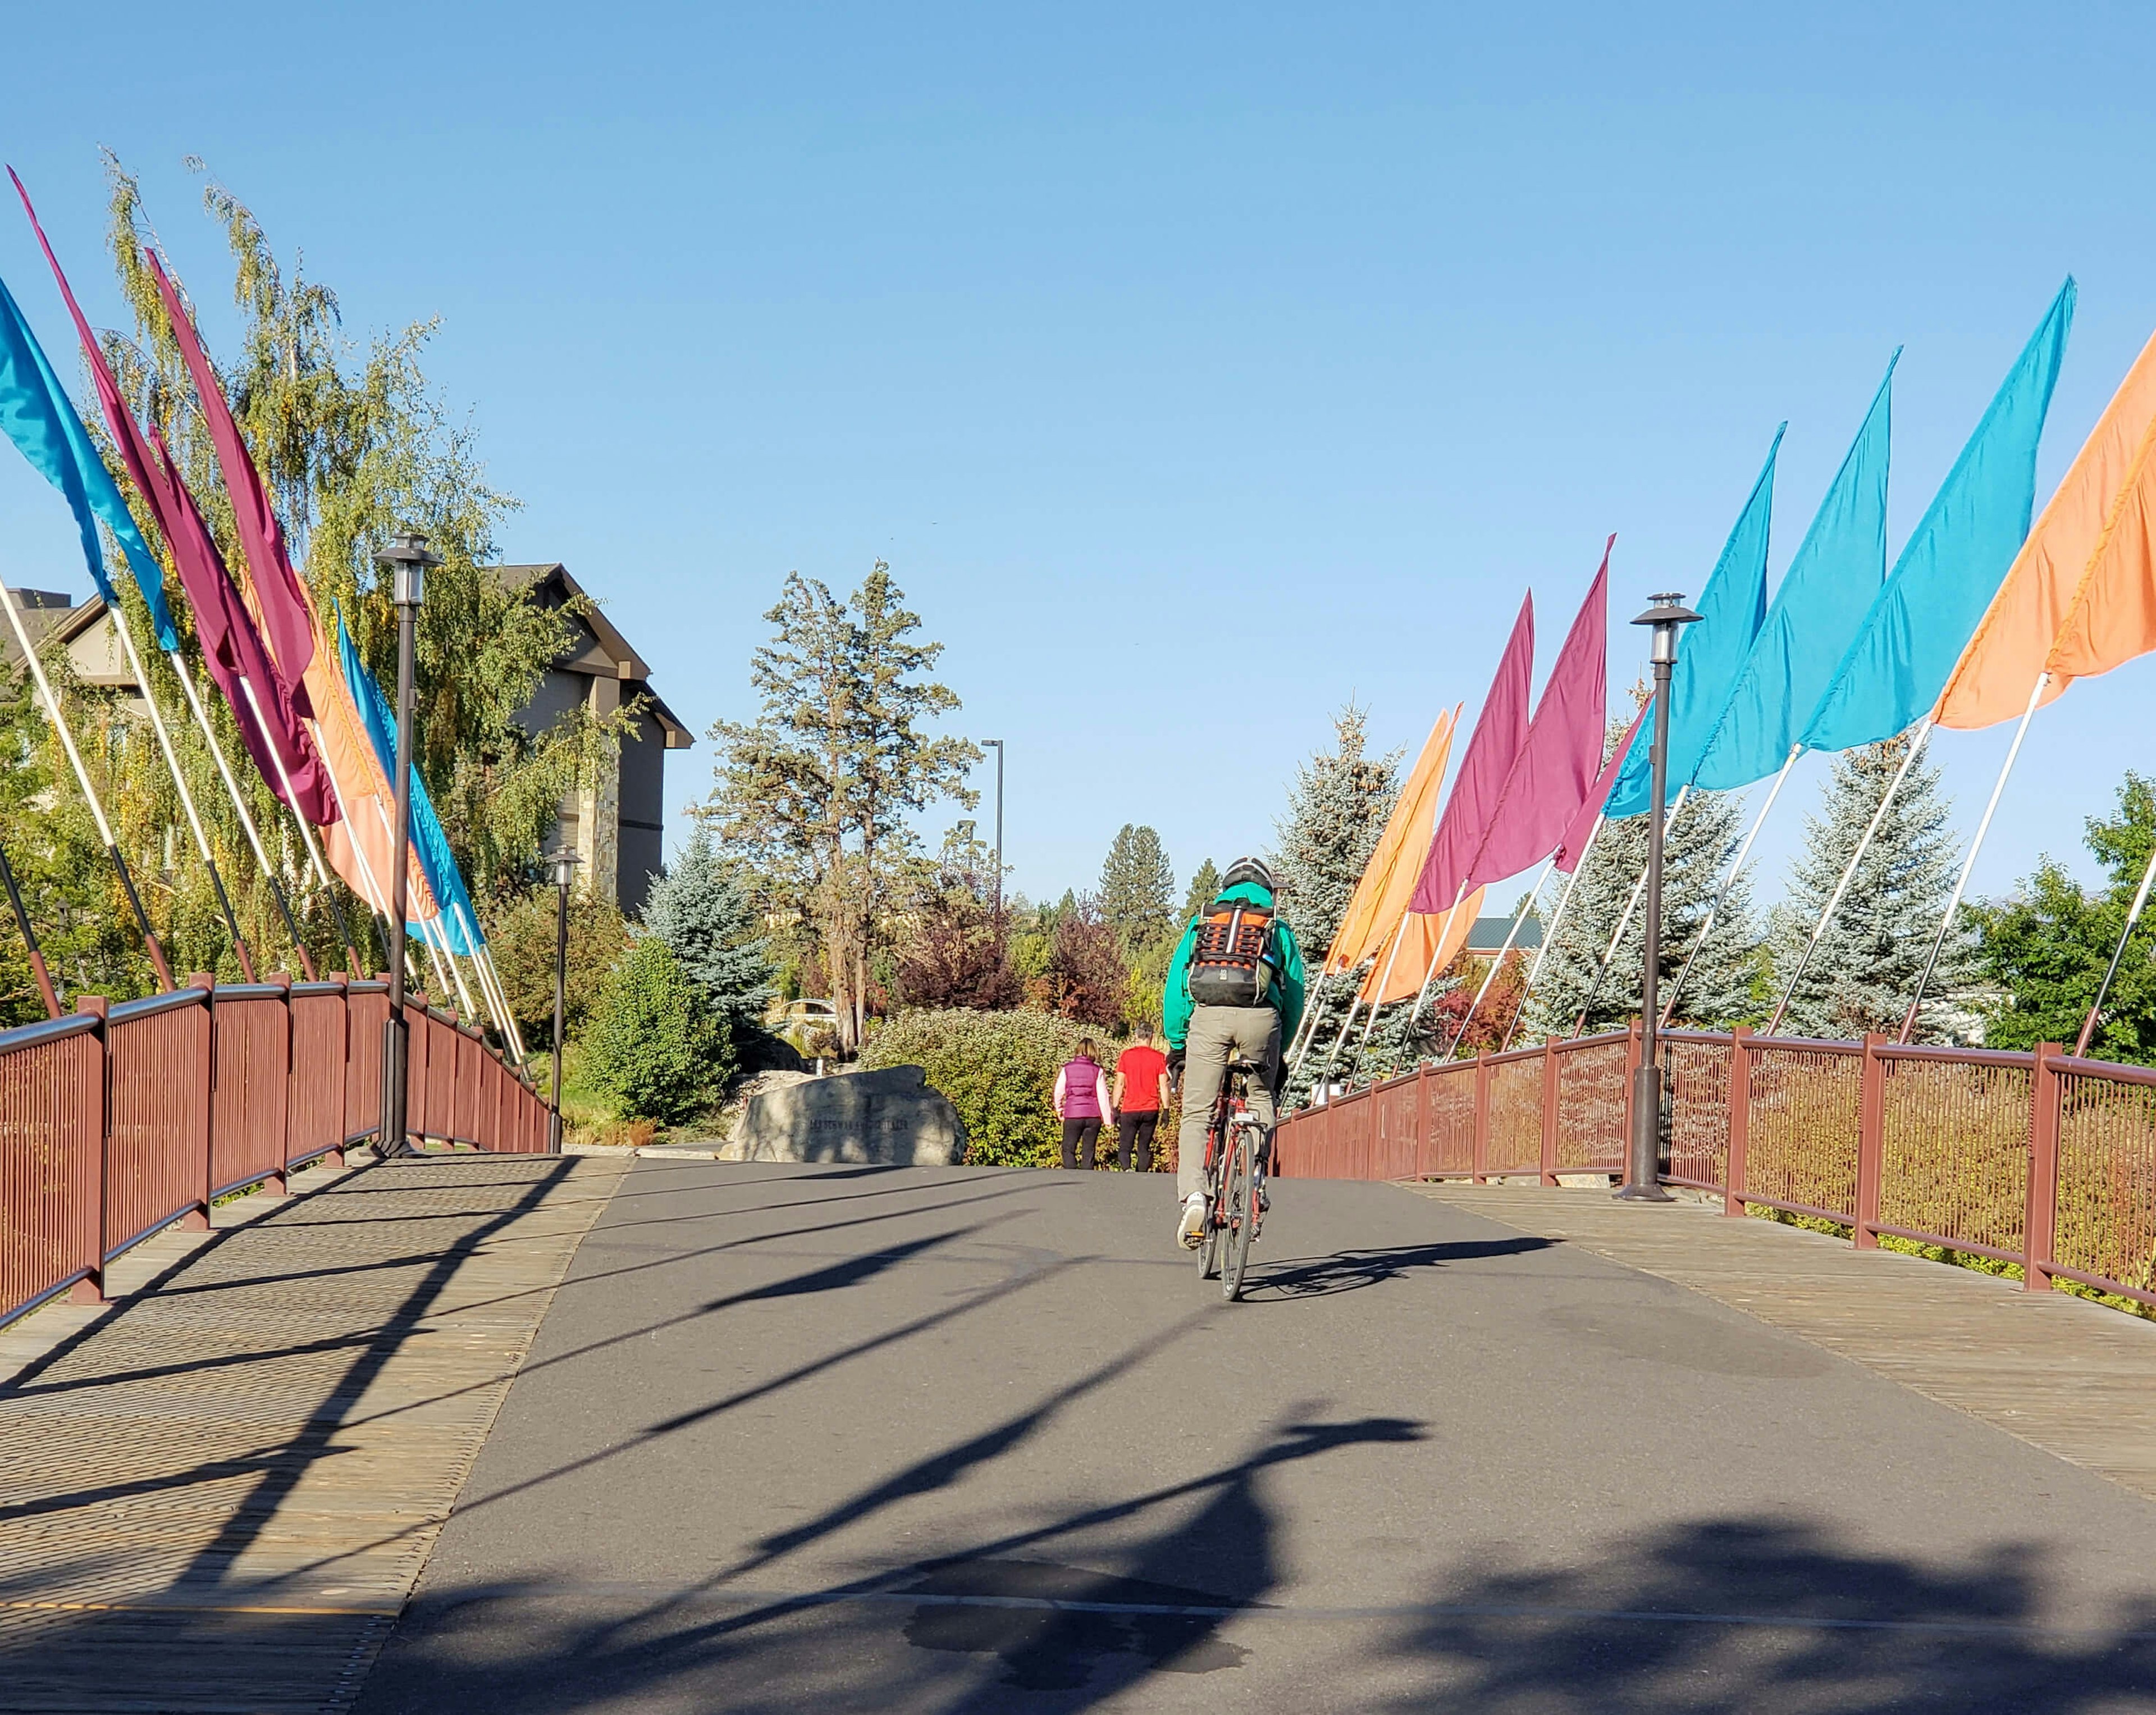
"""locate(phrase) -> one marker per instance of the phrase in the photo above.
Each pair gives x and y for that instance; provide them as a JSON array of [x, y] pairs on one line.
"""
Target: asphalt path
[[837, 1439]]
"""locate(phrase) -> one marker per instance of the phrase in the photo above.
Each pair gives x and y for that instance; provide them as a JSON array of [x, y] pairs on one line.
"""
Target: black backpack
[[1233, 962]]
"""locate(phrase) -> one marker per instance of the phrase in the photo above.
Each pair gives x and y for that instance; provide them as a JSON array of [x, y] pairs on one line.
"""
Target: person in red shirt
[[1140, 1094]]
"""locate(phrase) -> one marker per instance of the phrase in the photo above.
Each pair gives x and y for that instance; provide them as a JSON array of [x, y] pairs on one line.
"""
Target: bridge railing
[[2039, 1159], [116, 1121]]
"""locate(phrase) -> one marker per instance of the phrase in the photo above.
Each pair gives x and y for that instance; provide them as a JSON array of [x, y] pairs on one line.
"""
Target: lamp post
[[1643, 1177], [406, 560], [997, 744], [564, 863]]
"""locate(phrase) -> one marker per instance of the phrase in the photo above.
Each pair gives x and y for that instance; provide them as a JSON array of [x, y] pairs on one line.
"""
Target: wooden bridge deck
[[216, 1495], [2074, 1378]]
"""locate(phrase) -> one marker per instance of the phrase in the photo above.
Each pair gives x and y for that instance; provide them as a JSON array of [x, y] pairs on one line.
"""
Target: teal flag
[[1823, 598], [1922, 618], [458, 922], [38, 416], [1710, 653]]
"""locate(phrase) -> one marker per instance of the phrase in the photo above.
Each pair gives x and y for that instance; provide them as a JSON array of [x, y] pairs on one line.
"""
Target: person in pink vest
[[1083, 1104]]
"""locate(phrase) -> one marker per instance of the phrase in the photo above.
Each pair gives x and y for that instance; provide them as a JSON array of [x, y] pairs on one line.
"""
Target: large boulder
[[887, 1116]]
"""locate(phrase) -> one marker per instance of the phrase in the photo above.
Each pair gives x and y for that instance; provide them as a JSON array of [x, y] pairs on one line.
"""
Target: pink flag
[[232, 649], [1573, 846], [288, 618], [1556, 768], [1499, 730]]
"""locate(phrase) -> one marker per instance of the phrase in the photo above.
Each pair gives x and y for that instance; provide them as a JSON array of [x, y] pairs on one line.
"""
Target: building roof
[[1489, 933], [609, 654]]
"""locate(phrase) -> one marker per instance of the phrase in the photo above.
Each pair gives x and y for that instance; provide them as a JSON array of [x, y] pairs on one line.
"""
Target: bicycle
[[1234, 1144]]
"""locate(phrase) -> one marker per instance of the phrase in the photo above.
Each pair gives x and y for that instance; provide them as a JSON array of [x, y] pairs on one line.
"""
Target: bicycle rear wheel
[[1209, 1243], [1242, 1211]]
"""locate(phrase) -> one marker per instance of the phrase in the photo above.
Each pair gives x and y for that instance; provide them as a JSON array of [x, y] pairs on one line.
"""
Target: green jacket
[[1175, 1003]]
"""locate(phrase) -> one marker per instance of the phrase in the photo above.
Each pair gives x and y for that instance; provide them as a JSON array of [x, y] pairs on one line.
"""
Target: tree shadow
[[1351, 1270]]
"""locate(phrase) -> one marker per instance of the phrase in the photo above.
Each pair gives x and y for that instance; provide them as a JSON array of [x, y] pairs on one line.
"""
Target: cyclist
[[1235, 987]]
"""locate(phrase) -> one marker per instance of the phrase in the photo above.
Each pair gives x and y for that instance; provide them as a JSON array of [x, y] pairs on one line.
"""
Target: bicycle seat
[[1240, 1064]]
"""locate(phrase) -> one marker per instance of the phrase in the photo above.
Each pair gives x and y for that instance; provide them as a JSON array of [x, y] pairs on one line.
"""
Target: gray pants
[[1217, 1035]]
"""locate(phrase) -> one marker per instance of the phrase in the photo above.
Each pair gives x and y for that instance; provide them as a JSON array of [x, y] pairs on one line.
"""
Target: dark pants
[[1134, 1131], [1083, 1133]]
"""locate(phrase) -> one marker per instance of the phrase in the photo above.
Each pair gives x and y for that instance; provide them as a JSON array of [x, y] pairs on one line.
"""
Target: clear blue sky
[[1196, 369]]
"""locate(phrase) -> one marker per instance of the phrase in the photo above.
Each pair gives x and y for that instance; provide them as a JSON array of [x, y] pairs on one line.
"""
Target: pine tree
[[1336, 812], [1204, 889], [1138, 888], [1860, 976], [706, 915], [1702, 840]]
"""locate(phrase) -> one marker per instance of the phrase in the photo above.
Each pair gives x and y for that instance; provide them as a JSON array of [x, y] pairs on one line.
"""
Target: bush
[[653, 1042], [997, 1068], [522, 933]]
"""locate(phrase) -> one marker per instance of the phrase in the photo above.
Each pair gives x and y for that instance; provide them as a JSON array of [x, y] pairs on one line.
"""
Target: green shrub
[[653, 1042], [998, 1069]]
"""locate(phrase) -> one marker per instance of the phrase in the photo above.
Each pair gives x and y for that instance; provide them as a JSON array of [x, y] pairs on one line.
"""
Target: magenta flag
[[1556, 768], [233, 650], [1499, 731], [1573, 846], [287, 617]]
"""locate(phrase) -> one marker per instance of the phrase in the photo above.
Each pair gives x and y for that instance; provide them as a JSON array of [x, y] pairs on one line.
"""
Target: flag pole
[[180, 783], [1549, 933], [373, 898], [1849, 875], [1497, 964], [90, 794], [1728, 882], [2132, 915], [299, 819], [1429, 976], [1969, 863], [1624, 922], [44, 976], [239, 807]]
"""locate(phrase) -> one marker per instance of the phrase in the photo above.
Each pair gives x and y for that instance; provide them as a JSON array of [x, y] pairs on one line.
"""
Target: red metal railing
[[2039, 1160], [116, 1121]]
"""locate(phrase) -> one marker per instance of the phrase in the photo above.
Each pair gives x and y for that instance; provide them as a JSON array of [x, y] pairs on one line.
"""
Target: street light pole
[[1643, 1176], [565, 862], [998, 746], [406, 560]]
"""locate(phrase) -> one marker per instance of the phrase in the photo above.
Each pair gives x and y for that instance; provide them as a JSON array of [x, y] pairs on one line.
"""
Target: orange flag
[[1422, 939], [358, 845], [1382, 893], [2080, 596]]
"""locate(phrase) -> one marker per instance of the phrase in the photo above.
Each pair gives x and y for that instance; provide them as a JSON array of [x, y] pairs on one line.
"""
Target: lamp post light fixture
[[997, 744], [406, 559], [1668, 616], [564, 864]]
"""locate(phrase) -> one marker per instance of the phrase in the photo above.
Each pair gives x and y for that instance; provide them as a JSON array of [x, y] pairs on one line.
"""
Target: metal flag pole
[[82, 778], [1429, 976], [1728, 882], [307, 833], [497, 1002], [2133, 916], [239, 807], [180, 783], [513, 1032], [1969, 863], [395, 956], [1497, 964], [1549, 933], [1624, 922], [1306, 1026], [1849, 875], [44, 976]]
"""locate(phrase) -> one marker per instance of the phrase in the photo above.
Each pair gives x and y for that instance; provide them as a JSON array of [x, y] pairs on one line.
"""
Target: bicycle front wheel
[[1242, 1212]]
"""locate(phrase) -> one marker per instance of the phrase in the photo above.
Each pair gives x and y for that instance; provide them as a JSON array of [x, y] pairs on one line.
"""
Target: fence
[[2039, 1159], [116, 1121]]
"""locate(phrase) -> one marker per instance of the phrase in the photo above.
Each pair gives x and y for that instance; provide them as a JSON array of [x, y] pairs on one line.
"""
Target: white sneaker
[[1192, 1232]]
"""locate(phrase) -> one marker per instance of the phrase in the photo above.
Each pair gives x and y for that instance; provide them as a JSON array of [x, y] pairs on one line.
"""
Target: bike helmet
[[1250, 869]]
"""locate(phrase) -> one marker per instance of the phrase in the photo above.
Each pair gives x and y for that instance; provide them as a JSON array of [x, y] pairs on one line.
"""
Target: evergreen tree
[[1702, 840], [1336, 812], [2047, 948], [1138, 888], [1860, 976], [704, 912], [1204, 889], [653, 1045]]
